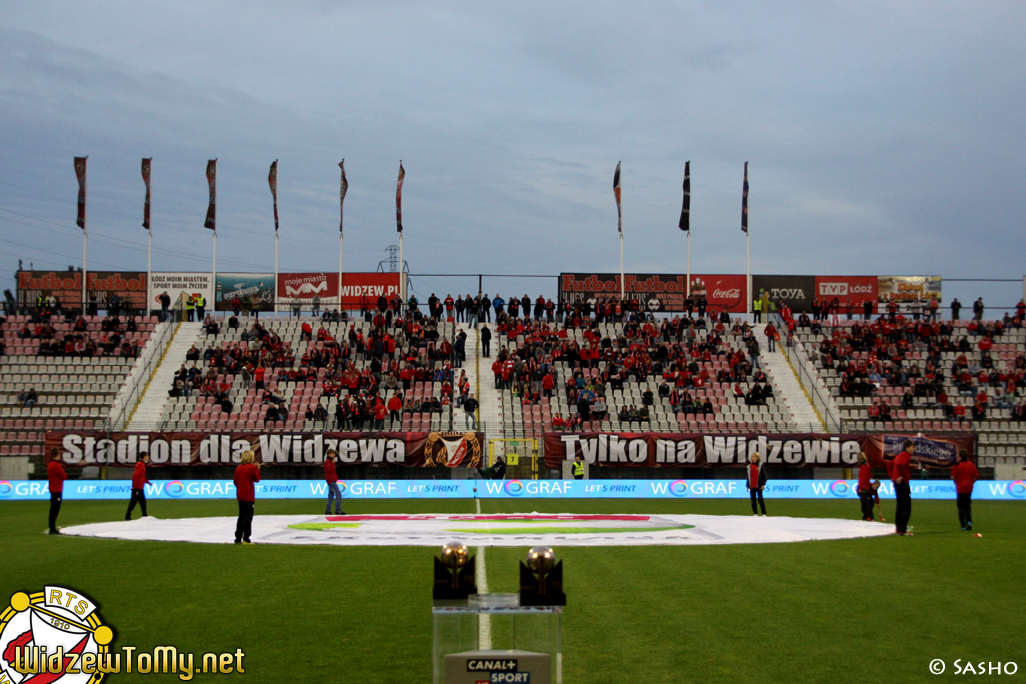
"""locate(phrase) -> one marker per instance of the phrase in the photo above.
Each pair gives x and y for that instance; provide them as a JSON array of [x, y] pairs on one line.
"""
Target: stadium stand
[[76, 369], [310, 363], [686, 379], [905, 375]]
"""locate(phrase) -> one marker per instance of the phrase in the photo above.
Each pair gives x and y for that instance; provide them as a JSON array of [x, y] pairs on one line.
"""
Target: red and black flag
[[616, 192], [744, 203], [399, 198], [80, 172], [272, 180], [685, 212], [146, 180], [211, 221], [342, 190]]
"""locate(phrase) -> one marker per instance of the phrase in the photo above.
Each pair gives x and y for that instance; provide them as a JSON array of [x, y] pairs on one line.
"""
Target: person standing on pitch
[[331, 477], [578, 467], [900, 469], [139, 482], [247, 474], [756, 482], [865, 487], [55, 473], [965, 475]]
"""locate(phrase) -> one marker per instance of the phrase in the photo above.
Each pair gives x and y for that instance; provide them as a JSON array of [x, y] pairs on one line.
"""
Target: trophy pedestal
[[456, 627]]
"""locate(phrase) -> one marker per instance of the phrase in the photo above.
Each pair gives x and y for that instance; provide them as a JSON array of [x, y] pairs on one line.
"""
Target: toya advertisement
[[254, 290], [66, 286], [653, 450], [656, 292], [413, 449], [301, 288], [795, 291]]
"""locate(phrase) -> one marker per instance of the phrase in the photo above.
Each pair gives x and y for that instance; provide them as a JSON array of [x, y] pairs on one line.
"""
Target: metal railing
[[810, 381], [142, 372]]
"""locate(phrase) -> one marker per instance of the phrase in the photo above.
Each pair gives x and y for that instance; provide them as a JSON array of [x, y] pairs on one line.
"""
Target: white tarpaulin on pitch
[[523, 529]]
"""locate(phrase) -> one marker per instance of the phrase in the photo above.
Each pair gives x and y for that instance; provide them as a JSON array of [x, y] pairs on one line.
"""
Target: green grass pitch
[[864, 610]]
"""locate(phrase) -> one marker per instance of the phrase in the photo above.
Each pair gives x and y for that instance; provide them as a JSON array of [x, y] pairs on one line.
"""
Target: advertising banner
[[303, 287], [795, 291], [371, 285], [175, 284], [255, 290], [856, 289], [413, 449], [656, 450], [656, 292], [907, 289], [66, 286], [36, 490]]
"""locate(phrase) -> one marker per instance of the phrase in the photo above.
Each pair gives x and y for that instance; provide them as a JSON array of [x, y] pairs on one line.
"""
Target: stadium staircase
[[489, 399], [148, 413], [784, 381]]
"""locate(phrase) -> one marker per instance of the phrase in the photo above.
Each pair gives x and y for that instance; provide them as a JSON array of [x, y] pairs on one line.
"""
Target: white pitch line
[[485, 622]]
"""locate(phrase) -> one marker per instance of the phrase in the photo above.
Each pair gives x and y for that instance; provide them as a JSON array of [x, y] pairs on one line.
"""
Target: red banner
[[857, 289], [675, 450], [412, 449], [66, 286], [303, 287], [656, 292], [371, 285]]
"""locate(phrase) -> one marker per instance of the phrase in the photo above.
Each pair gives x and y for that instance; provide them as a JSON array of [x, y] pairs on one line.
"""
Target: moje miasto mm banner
[[655, 292], [316, 488], [199, 449], [301, 288], [665, 450], [66, 286]]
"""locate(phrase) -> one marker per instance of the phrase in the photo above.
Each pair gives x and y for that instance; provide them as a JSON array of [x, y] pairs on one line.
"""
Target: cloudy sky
[[883, 137]]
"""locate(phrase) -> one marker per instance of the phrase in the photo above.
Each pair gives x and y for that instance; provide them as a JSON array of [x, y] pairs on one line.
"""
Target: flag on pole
[[399, 198], [272, 180], [146, 180], [744, 203], [685, 212], [80, 172], [343, 189], [616, 192], [211, 221]]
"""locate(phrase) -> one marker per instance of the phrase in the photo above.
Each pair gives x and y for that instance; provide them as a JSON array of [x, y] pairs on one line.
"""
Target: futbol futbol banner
[[674, 450], [254, 290], [301, 288], [655, 292], [412, 449], [66, 286]]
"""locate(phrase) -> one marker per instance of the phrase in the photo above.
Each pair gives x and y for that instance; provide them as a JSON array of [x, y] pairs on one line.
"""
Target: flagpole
[[149, 272], [748, 274], [402, 276], [687, 289], [275, 272], [85, 270], [213, 273], [621, 269], [340, 270]]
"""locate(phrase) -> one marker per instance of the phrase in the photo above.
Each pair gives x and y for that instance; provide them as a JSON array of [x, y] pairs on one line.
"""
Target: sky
[[883, 138]]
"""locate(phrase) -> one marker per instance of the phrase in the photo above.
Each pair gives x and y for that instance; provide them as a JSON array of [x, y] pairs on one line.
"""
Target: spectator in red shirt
[[901, 472], [55, 473], [247, 474], [865, 487], [139, 482], [756, 482], [331, 477], [965, 475]]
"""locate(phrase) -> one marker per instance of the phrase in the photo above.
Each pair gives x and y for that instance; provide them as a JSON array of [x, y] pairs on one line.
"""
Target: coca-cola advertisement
[[857, 289], [660, 293]]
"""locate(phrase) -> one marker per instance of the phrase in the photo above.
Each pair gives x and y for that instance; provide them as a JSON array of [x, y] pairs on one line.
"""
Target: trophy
[[454, 573], [541, 579]]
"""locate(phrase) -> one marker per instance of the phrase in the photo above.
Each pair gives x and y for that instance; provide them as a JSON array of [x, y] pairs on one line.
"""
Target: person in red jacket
[[865, 487], [55, 473], [247, 474], [331, 477], [139, 482], [965, 475], [900, 469], [756, 482]]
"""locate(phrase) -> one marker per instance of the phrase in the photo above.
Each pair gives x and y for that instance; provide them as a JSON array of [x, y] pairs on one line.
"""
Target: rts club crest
[[53, 635]]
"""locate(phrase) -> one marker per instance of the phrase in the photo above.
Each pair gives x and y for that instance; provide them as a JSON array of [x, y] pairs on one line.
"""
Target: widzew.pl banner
[[36, 490]]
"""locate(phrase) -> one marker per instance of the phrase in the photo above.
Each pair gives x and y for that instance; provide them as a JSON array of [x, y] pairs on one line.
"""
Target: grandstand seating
[[1002, 439], [197, 412], [730, 414], [75, 392]]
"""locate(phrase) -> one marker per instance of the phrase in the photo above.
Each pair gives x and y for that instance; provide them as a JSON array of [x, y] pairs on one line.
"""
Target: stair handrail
[[807, 376]]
